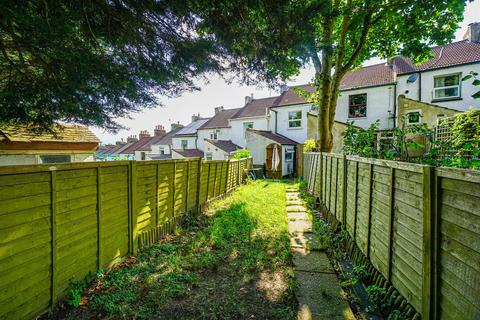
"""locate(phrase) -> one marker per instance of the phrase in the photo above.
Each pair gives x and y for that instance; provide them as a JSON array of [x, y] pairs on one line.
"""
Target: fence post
[[226, 175], [390, 223], [174, 189], [99, 210], [429, 239], [320, 196], [336, 189], [134, 226], [369, 222], [186, 186], [344, 193], [356, 203], [156, 193], [199, 177], [53, 279]]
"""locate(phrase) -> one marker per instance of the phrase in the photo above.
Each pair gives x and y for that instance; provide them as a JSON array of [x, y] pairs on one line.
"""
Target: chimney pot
[[473, 32], [143, 134], [176, 125], [218, 109], [132, 138], [195, 117], [248, 99], [159, 130]]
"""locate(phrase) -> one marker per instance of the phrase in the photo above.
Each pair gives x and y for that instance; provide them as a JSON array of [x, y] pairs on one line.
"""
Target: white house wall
[[467, 89], [380, 100], [217, 154], [223, 134], [237, 134], [156, 148], [296, 134], [177, 142]]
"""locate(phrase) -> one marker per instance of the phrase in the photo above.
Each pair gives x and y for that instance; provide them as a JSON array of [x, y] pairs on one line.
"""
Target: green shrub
[[241, 154], [309, 145]]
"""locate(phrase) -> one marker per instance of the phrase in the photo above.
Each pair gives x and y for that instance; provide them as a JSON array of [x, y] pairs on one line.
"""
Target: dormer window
[[446, 87]]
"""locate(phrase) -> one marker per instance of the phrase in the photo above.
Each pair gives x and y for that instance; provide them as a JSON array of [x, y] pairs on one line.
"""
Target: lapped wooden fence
[[60, 222], [418, 226]]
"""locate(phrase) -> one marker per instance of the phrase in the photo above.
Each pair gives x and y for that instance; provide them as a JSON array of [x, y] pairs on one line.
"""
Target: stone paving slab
[[295, 226], [311, 261], [306, 240], [298, 216], [294, 202], [296, 209], [320, 297]]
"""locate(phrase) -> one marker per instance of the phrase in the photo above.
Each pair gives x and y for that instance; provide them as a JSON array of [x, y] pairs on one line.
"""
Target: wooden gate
[[270, 172]]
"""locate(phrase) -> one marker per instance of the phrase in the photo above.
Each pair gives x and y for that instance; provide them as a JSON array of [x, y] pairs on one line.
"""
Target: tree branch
[[361, 42]]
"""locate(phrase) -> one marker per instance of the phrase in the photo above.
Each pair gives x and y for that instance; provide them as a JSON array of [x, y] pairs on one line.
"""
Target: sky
[[217, 93]]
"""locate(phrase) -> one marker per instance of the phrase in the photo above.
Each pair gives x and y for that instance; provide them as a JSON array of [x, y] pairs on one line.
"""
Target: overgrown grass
[[232, 262]]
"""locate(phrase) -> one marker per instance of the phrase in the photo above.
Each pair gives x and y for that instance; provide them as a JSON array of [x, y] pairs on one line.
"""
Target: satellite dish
[[413, 77]]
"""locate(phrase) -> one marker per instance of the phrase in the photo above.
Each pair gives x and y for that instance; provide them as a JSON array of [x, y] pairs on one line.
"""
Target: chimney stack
[[248, 99], [143, 134], [176, 125], [218, 109], [159, 130], [132, 138], [473, 32], [195, 117]]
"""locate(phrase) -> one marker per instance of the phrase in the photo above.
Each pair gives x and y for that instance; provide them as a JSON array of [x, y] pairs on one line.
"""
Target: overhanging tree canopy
[[275, 38], [90, 62]]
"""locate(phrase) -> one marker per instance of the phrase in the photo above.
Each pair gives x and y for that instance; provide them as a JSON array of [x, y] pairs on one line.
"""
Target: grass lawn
[[232, 262]]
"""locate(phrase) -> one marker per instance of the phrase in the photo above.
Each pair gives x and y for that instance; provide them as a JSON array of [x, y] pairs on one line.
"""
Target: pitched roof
[[225, 145], [452, 54], [64, 133], [274, 137], [164, 140], [190, 153], [135, 146], [220, 120], [374, 75], [290, 96], [191, 128], [255, 108]]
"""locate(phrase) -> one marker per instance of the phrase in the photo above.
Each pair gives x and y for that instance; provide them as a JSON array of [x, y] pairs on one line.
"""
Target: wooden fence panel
[[113, 214], [363, 199], [418, 226], [459, 256], [58, 223], [380, 211], [407, 236], [25, 244]]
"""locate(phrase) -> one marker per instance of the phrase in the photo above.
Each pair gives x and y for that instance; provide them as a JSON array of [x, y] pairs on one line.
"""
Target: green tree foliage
[[90, 62], [309, 145], [475, 82], [361, 142], [267, 40], [241, 154]]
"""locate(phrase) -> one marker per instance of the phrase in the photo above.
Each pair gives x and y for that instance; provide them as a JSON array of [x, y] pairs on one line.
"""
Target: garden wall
[[60, 222], [419, 226]]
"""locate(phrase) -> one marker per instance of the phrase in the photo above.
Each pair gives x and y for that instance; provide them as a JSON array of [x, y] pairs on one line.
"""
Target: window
[[162, 150], [288, 155], [208, 156], [214, 134], [55, 159], [142, 155], [446, 87], [184, 144], [357, 105], [247, 125], [414, 117], [295, 119]]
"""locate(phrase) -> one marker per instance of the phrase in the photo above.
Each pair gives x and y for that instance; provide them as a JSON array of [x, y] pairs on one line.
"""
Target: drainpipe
[[394, 105], [420, 86], [275, 131]]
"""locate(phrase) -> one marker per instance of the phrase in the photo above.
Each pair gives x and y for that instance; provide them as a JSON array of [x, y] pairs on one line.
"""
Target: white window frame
[[366, 106], [214, 134], [209, 156], [414, 111], [290, 121], [246, 126], [161, 150], [459, 86], [186, 144]]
